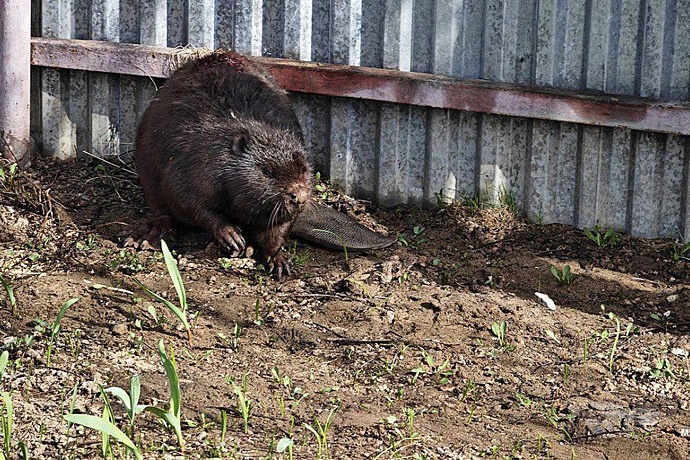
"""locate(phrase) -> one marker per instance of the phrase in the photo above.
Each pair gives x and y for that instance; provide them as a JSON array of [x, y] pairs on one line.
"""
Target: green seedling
[[601, 237], [223, 426], [556, 420], [430, 366], [4, 358], [563, 275], [6, 421], [126, 261], [470, 388], [680, 252], [298, 258], [10, 295], [105, 427], [508, 200], [72, 403], [173, 415], [55, 327], [320, 432], [129, 400], [233, 340], [109, 417], [259, 320], [285, 445], [614, 347], [244, 404], [106, 446], [281, 378], [499, 330], [7, 173], [524, 400], [174, 272], [322, 187], [662, 369]]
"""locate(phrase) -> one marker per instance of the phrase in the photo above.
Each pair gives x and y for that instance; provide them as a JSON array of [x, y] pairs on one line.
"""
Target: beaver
[[221, 148]]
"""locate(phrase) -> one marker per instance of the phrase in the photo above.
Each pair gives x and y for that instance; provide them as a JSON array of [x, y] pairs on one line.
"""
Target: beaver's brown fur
[[221, 148]]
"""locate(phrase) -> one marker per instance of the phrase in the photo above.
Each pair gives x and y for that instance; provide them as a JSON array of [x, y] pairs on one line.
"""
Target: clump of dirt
[[435, 348]]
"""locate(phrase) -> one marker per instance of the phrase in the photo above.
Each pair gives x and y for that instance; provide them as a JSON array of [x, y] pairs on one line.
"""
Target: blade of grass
[[174, 272], [10, 295], [4, 357], [97, 423], [182, 315]]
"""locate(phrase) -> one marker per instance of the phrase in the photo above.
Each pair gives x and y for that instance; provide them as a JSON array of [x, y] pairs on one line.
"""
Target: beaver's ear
[[239, 143]]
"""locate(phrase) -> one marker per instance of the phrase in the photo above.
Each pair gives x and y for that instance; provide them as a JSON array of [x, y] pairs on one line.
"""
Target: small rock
[[672, 298], [120, 329], [550, 304], [679, 351]]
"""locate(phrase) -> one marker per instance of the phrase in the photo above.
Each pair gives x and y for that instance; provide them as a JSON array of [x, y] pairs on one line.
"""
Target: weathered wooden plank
[[388, 86]]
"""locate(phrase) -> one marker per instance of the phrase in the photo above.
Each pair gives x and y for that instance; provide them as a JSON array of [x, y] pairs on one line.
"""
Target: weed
[[10, 295], [8, 172], [680, 252], [126, 261], [556, 420], [524, 400], [225, 263], [244, 404], [55, 327], [601, 237], [174, 272], [298, 258], [416, 239], [323, 188], [469, 389], [430, 366], [563, 275], [508, 200], [86, 246], [280, 378], [662, 369], [320, 432]]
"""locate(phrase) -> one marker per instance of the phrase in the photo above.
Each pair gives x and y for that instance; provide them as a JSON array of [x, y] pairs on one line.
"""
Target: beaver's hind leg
[[149, 234]]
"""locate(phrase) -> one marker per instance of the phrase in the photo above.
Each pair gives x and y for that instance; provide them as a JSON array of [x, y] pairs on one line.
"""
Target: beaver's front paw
[[231, 239], [278, 264]]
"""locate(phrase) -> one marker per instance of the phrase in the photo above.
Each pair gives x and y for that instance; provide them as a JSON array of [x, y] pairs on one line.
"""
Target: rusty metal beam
[[389, 86], [15, 75]]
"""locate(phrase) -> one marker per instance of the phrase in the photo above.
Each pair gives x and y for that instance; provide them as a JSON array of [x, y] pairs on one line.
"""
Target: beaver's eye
[[266, 171]]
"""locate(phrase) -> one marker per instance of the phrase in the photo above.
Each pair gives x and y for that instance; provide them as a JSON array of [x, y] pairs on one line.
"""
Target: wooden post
[[15, 68]]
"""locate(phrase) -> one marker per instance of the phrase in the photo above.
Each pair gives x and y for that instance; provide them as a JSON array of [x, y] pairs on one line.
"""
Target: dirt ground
[[435, 348]]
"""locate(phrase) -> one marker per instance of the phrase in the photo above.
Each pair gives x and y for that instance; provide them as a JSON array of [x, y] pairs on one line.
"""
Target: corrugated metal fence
[[559, 172]]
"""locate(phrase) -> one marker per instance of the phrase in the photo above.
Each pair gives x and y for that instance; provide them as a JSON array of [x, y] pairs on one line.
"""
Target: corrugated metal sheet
[[393, 153]]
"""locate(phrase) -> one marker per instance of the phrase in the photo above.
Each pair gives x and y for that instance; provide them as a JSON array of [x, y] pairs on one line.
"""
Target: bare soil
[[397, 344]]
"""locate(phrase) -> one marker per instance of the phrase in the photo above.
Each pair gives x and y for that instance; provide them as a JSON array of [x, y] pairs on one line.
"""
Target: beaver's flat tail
[[331, 229]]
